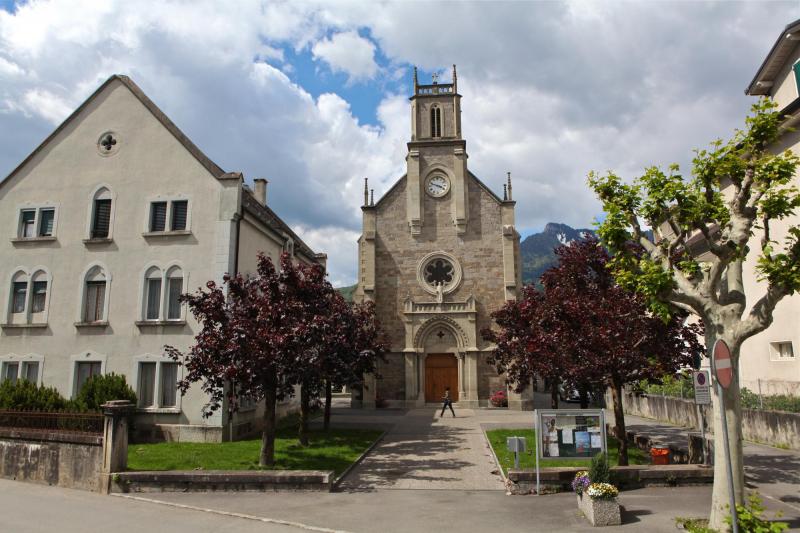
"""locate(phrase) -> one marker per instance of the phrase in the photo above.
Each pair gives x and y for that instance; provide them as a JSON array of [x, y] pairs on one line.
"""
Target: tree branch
[[760, 316]]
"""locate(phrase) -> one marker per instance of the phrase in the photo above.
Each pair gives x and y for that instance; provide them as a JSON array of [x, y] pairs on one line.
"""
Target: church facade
[[439, 252]]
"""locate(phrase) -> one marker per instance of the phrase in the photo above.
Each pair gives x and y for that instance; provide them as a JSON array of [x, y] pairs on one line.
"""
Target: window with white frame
[[162, 292], [168, 215], [95, 295], [35, 222], [174, 291], [28, 298], [782, 350], [152, 294], [25, 369], [19, 293], [157, 386], [39, 293], [84, 370], [101, 214]]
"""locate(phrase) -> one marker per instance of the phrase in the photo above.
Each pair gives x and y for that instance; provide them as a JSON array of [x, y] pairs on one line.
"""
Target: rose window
[[439, 272]]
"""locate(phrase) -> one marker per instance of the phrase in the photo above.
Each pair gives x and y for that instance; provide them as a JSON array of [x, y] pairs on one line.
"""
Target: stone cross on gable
[[435, 77]]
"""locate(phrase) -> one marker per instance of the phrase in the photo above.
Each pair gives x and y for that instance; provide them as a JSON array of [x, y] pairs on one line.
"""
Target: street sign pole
[[702, 396], [538, 436], [723, 371]]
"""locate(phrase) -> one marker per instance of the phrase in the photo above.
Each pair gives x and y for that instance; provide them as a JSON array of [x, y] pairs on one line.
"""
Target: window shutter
[[102, 219], [158, 216], [46, 217], [179, 209], [153, 298]]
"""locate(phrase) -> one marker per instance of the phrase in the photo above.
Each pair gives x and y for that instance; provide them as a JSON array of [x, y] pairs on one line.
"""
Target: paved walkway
[[775, 473], [423, 451]]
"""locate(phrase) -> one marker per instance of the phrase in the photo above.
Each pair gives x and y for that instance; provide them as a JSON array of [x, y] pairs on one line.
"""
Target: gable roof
[[770, 67], [265, 214], [170, 126], [274, 222]]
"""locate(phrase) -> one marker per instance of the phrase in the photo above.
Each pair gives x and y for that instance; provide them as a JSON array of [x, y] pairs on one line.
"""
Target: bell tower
[[437, 155]]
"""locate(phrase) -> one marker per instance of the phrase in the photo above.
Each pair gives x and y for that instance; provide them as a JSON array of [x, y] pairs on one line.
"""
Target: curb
[[358, 461], [494, 456]]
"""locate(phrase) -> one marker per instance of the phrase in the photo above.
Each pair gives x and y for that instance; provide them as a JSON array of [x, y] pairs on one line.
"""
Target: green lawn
[[497, 438], [333, 450]]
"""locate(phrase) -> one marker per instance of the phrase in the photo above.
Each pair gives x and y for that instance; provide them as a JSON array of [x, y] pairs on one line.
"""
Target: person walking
[[447, 403]]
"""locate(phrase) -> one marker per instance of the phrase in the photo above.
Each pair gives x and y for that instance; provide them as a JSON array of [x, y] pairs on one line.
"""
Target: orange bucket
[[659, 456]]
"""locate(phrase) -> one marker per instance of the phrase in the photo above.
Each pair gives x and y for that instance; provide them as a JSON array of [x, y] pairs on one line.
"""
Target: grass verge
[[497, 438], [334, 450]]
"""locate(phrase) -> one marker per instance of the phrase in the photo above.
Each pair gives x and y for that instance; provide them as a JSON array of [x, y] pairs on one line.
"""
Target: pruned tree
[[705, 227], [251, 332]]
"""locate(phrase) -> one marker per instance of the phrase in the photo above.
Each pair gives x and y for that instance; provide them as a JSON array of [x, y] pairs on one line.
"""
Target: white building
[[769, 360], [111, 218]]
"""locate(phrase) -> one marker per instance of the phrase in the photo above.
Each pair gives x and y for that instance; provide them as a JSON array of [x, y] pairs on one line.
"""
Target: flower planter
[[600, 512]]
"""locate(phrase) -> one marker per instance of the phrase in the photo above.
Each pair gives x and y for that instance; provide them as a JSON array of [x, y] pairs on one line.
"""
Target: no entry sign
[[723, 369]]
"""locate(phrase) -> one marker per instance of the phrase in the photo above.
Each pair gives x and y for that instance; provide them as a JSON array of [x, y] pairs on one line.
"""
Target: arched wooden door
[[441, 371]]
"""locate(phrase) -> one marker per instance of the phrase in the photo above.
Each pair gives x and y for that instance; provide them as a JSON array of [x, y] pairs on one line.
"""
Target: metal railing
[[42, 421]]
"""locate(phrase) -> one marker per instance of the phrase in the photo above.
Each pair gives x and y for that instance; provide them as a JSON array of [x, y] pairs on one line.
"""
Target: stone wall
[[51, 459], [775, 428]]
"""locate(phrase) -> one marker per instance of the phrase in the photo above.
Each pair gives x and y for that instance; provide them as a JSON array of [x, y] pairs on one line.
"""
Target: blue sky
[[314, 95]]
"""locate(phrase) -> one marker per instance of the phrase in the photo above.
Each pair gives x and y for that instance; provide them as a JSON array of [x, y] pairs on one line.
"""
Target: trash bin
[[659, 455]]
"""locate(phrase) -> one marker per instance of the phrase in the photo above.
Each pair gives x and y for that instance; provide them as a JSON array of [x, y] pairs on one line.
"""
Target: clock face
[[437, 186]]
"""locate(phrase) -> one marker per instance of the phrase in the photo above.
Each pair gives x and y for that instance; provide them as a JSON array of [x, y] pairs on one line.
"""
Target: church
[[438, 253]]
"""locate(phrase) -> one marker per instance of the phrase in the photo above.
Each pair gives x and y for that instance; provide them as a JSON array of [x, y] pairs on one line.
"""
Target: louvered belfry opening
[[102, 219]]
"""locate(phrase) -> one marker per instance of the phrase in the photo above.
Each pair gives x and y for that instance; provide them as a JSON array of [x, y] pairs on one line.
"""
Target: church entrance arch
[[441, 373]]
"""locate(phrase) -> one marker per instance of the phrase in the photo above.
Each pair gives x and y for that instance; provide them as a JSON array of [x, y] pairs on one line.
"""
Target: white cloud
[[348, 52], [551, 90]]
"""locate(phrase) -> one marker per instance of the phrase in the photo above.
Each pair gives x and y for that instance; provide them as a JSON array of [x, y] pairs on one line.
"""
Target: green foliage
[[101, 389], [694, 525], [679, 386], [600, 472], [678, 207], [751, 519], [778, 402], [26, 396]]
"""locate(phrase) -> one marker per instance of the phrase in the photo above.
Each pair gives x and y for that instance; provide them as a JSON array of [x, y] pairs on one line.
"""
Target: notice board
[[570, 433]]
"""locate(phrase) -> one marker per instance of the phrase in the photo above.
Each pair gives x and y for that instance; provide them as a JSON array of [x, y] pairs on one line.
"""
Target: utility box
[[516, 444]]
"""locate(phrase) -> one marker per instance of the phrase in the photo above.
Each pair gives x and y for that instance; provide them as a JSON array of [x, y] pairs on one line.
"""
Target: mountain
[[347, 292], [537, 249]]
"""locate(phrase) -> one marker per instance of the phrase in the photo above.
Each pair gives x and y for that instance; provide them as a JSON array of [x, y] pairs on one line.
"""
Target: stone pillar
[[410, 357], [369, 391], [521, 401], [115, 440], [421, 378], [471, 379], [462, 389]]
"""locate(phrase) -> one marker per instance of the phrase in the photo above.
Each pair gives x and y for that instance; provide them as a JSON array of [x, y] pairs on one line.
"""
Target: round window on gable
[[108, 143], [439, 272]]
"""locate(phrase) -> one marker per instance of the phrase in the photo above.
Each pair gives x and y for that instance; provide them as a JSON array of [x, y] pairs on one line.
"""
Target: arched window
[[174, 291], [94, 295], [101, 214], [39, 289], [436, 122], [19, 294], [152, 294]]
